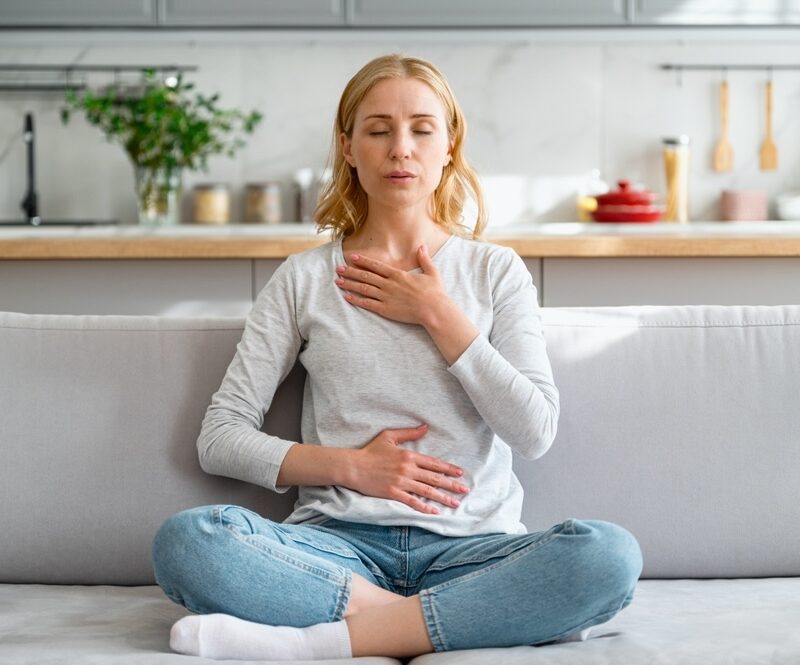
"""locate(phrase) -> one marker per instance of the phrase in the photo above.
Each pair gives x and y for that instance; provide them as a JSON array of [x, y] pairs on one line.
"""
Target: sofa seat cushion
[[676, 622], [97, 625], [671, 622]]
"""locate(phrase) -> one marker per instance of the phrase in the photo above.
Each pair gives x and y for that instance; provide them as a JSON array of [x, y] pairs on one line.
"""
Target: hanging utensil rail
[[67, 73], [681, 67]]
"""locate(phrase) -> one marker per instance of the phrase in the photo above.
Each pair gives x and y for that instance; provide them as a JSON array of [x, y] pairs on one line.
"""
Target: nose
[[401, 145]]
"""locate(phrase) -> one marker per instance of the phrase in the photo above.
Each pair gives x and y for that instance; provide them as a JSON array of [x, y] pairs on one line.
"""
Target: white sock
[[577, 636], [222, 636]]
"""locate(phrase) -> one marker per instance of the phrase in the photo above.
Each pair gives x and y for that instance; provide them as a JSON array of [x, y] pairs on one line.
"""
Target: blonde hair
[[342, 205]]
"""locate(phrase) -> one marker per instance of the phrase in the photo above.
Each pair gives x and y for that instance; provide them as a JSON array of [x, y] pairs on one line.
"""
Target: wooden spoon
[[769, 151], [723, 152]]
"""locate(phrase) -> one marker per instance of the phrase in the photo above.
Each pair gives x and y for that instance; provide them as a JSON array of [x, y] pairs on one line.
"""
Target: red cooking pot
[[627, 205]]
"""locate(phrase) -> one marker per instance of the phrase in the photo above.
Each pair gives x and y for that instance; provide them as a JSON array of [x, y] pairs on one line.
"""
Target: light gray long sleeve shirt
[[366, 373]]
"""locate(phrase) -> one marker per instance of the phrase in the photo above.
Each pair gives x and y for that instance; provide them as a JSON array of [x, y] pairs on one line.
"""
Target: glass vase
[[158, 192]]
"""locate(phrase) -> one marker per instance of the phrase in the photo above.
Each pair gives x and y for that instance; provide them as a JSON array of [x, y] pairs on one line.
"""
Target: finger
[[365, 303], [419, 505], [436, 464], [360, 288], [428, 492], [442, 481], [426, 262], [409, 433], [374, 265], [358, 274]]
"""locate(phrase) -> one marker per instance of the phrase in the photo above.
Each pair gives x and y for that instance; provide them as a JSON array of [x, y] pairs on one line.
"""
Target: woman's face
[[399, 144]]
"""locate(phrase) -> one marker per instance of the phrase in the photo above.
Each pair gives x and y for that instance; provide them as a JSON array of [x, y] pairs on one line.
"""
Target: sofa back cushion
[[679, 423], [99, 416], [683, 425]]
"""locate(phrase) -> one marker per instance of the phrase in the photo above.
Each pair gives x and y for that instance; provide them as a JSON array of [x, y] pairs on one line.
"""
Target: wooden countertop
[[246, 241]]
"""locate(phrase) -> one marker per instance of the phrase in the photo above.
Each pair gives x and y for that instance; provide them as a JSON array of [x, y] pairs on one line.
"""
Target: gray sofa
[[680, 423]]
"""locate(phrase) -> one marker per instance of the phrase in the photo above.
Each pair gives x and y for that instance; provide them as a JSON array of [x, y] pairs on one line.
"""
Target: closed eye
[[416, 131]]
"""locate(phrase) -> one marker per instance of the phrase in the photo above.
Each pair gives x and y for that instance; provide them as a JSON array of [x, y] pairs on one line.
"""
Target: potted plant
[[164, 130]]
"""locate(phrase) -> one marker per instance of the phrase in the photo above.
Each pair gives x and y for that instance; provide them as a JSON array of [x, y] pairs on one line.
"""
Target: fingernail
[[355, 256]]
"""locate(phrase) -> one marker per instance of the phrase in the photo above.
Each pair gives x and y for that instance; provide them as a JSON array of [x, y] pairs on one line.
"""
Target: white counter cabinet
[[195, 272], [568, 282], [192, 288]]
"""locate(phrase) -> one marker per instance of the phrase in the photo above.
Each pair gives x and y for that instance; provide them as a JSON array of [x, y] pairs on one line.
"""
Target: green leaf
[[165, 126]]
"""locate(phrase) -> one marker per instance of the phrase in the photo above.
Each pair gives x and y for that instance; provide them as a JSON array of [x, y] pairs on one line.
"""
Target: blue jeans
[[477, 591]]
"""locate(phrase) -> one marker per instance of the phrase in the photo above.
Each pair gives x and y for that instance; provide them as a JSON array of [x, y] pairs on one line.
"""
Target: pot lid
[[626, 195]]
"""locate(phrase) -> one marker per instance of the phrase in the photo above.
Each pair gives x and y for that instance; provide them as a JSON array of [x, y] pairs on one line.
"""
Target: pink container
[[743, 205]]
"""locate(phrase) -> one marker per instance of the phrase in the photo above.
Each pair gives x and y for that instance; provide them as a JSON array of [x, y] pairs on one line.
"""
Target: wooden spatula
[[769, 151], [723, 152]]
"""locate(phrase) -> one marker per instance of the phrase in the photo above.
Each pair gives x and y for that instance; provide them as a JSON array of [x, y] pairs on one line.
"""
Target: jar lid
[[262, 185], [626, 195], [676, 140], [212, 185]]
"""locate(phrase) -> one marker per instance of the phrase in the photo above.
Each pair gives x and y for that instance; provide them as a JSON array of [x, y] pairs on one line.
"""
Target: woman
[[426, 366]]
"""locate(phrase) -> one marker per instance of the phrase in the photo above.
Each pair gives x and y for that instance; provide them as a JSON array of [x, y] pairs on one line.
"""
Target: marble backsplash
[[542, 114]]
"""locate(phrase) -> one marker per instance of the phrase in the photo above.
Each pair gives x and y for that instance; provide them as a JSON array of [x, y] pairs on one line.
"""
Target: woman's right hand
[[382, 469]]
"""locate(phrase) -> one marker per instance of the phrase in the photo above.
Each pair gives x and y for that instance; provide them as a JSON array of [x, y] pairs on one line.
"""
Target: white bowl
[[787, 206]]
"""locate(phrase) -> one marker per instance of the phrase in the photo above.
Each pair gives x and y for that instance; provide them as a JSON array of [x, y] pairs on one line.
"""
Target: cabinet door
[[26, 13], [535, 268], [466, 13], [671, 281], [252, 13], [185, 288], [262, 271], [717, 12]]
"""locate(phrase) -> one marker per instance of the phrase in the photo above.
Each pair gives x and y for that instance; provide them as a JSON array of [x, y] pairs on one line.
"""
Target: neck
[[397, 233]]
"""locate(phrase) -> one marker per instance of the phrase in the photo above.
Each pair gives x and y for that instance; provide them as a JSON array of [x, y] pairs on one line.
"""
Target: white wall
[[546, 106]]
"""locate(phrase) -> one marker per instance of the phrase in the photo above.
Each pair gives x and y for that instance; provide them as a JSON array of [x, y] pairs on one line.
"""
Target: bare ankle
[[365, 594]]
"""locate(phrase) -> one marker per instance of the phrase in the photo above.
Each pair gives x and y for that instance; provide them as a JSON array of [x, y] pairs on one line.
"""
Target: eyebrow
[[386, 116]]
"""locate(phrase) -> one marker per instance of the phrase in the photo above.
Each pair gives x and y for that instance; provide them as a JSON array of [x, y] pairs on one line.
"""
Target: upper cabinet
[[252, 13], [233, 14], [479, 13], [77, 13], [717, 12]]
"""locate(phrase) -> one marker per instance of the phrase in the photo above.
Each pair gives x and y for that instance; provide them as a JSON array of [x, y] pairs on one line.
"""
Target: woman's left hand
[[391, 292]]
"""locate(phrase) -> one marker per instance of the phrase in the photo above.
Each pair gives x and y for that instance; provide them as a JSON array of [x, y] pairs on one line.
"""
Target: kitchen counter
[[251, 241]]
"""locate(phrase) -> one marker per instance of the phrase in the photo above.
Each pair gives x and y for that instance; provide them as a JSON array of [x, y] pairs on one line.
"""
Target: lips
[[400, 175]]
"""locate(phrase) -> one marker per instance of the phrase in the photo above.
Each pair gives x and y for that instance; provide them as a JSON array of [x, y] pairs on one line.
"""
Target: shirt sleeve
[[230, 443], [508, 376]]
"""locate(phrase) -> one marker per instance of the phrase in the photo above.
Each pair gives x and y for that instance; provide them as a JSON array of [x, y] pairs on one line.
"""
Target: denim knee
[[176, 543], [615, 556], [227, 559]]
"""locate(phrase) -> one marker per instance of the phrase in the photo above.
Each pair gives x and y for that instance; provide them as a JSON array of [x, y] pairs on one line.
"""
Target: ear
[[346, 149], [449, 157]]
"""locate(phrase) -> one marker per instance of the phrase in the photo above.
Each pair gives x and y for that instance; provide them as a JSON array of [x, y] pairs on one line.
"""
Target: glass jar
[[262, 203], [305, 195], [212, 204], [676, 168], [587, 193]]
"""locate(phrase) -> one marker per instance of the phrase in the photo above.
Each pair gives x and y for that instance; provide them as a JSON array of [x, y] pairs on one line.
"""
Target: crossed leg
[[463, 611], [362, 632]]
